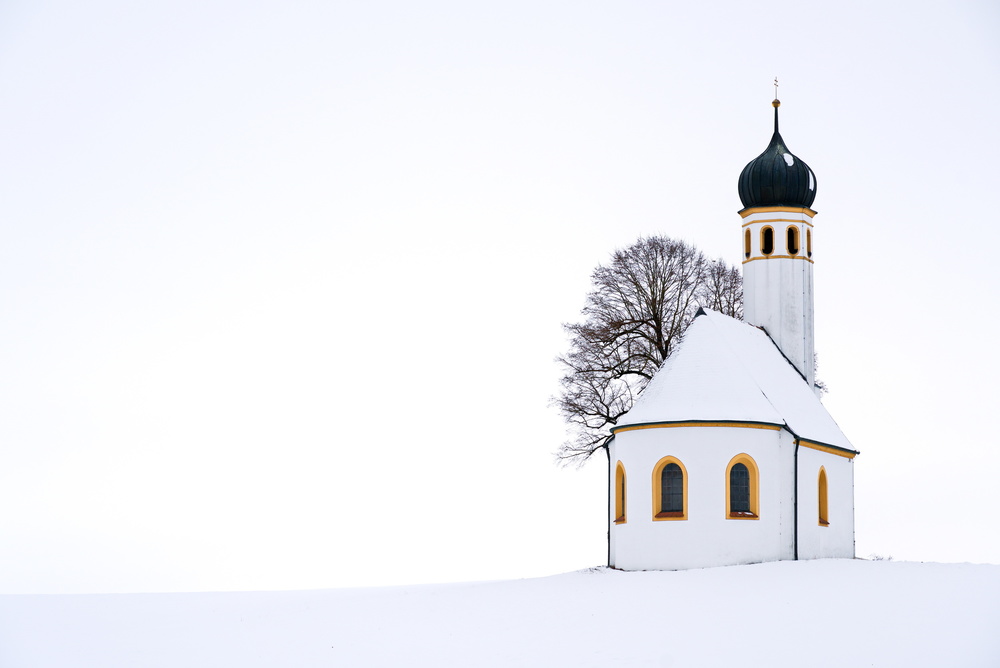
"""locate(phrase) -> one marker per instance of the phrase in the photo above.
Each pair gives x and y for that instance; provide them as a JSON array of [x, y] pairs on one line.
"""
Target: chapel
[[728, 456]]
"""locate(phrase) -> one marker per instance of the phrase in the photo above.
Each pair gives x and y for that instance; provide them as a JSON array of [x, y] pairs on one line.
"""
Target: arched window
[[824, 508], [746, 245], [767, 241], [792, 240], [619, 494], [670, 487], [809, 242], [742, 489]]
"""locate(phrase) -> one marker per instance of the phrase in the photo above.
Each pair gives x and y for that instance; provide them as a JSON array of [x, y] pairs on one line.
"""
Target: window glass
[[672, 485], [746, 245], [739, 489]]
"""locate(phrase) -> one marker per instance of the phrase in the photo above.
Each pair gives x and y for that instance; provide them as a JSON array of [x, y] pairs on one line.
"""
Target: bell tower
[[777, 190]]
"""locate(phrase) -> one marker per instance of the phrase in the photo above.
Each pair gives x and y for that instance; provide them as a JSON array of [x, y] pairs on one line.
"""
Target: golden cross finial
[[775, 88]]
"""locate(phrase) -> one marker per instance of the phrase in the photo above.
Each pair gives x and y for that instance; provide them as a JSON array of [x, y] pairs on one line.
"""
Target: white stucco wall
[[837, 539], [706, 537]]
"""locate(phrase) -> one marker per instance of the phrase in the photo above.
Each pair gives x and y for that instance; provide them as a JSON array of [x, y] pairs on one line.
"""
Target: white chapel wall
[[706, 537], [837, 539]]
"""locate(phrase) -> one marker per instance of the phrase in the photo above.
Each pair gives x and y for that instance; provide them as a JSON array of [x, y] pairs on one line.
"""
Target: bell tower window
[[746, 245], [792, 241], [809, 243], [767, 240]]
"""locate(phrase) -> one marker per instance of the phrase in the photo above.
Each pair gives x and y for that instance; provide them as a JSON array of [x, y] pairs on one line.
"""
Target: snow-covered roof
[[727, 370]]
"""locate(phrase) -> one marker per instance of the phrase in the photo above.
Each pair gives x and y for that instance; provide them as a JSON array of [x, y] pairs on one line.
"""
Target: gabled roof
[[728, 371]]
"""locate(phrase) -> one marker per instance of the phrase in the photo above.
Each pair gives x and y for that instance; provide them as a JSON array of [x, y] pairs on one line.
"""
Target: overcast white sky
[[281, 284]]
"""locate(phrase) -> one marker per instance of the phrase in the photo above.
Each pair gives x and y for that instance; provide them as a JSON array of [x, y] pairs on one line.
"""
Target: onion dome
[[776, 177]]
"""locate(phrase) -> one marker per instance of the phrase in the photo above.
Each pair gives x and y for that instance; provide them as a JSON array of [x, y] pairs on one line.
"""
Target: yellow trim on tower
[[840, 452], [746, 460], [773, 209], [785, 257], [621, 491], [779, 220], [668, 425], [658, 491]]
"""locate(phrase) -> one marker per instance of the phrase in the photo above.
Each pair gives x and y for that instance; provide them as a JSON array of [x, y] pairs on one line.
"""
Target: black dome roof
[[776, 177]]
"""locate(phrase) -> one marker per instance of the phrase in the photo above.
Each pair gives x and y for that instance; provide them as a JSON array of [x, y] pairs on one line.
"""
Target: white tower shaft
[[778, 280]]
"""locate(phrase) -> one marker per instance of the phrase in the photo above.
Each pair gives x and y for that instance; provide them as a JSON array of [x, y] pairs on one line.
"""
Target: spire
[[777, 177], [776, 104]]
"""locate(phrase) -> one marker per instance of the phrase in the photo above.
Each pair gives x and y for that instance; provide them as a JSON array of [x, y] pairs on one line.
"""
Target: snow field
[[807, 613]]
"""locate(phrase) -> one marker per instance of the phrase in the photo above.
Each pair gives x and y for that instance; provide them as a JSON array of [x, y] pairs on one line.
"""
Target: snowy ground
[[817, 613]]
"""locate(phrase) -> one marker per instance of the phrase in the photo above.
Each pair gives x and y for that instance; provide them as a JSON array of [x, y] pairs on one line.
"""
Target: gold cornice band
[[668, 425], [772, 209], [812, 445], [784, 257], [778, 220], [840, 452]]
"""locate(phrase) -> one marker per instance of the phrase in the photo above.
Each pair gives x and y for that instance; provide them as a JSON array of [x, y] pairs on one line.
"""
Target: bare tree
[[722, 289], [642, 302]]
